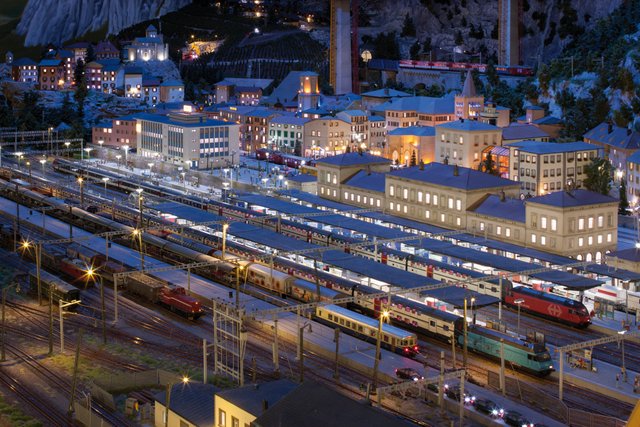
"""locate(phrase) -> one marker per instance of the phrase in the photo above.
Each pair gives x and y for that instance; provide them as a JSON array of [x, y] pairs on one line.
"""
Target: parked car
[[489, 407], [516, 419], [453, 392], [408, 374]]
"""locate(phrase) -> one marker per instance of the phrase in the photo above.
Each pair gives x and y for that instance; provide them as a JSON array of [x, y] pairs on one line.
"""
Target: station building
[[462, 142], [579, 223], [187, 139]]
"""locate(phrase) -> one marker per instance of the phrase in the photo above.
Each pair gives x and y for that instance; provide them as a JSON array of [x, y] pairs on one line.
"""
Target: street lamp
[[88, 150], [43, 162], [81, 183], [126, 151], [118, 157], [93, 275], [383, 316], [19, 156], [518, 302], [150, 169], [170, 385], [29, 167], [280, 178], [184, 180], [473, 311], [105, 179], [67, 144]]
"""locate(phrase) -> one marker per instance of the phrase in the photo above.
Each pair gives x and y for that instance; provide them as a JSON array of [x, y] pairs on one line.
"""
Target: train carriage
[[61, 290], [392, 338]]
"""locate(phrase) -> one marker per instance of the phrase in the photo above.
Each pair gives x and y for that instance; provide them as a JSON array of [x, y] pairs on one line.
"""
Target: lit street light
[[118, 157], [225, 226], [150, 169], [105, 179], [383, 316], [92, 275], [81, 183], [184, 180], [66, 145], [167, 396], [43, 162], [88, 150]]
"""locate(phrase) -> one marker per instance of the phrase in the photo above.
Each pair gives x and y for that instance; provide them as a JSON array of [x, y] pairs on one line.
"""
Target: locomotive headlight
[[494, 412]]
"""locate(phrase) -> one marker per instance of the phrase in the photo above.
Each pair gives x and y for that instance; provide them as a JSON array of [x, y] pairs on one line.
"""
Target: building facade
[[187, 139], [24, 70], [288, 133], [545, 167], [151, 47], [617, 143], [326, 136], [412, 143], [51, 74], [463, 141]]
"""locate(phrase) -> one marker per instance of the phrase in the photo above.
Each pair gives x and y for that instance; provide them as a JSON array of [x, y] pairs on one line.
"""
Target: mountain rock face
[[55, 21], [547, 25]]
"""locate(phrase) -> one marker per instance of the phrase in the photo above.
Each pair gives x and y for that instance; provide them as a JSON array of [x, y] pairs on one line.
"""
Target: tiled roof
[[23, 62], [49, 63], [468, 125], [509, 209], [353, 159], [631, 254], [522, 132], [634, 158], [420, 104], [250, 398], [441, 174], [252, 89], [539, 147], [302, 177], [172, 83], [414, 130], [579, 197], [105, 46], [386, 93], [133, 70], [290, 120], [372, 181], [618, 137], [239, 81], [547, 120], [192, 401], [469, 87]]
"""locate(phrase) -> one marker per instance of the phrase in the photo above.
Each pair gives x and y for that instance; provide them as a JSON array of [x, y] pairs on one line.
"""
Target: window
[[543, 240], [600, 220], [590, 240], [498, 230], [458, 221], [442, 218], [533, 238], [580, 223], [580, 241], [392, 190], [507, 232], [543, 222], [222, 418], [450, 202], [427, 198], [427, 214], [599, 238], [458, 205], [405, 193], [419, 196], [609, 237], [435, 200], [590, 222], [235, 422], [391, 206], [481, 226]]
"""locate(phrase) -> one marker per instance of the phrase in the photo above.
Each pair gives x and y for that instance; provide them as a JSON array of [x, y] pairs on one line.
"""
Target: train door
[[429, 270], [383, 257]]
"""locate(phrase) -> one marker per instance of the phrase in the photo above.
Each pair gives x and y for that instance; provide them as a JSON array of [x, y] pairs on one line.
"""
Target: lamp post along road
[[518, 302], [376, 363]]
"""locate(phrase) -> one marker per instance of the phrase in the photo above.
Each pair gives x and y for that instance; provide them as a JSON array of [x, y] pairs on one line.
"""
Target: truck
[[166, 294]]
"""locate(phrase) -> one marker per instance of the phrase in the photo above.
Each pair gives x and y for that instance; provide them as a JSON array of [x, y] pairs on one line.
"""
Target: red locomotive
[[545, 304], [461, 66]]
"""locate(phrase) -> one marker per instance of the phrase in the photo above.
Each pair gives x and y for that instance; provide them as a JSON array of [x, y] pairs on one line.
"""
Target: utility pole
[[75, 373], [336, 374], [502, 378], [276, 356], [441, 383], [50, 321], [464, 354]]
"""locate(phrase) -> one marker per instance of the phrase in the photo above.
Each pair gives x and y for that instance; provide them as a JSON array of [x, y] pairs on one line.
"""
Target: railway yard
[[107, 274]]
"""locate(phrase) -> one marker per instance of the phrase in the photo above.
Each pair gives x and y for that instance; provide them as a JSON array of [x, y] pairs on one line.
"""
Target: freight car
[[168, 295], [61, 290]]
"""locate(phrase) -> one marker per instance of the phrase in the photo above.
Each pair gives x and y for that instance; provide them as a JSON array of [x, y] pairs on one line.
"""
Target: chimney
[[461, 120], [265, 405], [609, 127], [446, 160], [421, 166], [386, 91], [629, 131], [503, 196], [456, 172]]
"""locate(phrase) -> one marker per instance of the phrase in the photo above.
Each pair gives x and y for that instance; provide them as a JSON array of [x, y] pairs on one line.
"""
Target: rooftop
[[159, 118], [386, 93], [289, 120], [509, 209], [469, 87], [239, 81], [250, 398], [548, 120], [521, 132], [192, 401], [372, 181], [631, 254], [384, 64], [441, 174], [49, 63], [414, 130], [315, 405], [539, 147], [172, 83], [420, 104], [468, 125], [302, 177], [579, 197], [353, 159], [23, 62], [614, 136]]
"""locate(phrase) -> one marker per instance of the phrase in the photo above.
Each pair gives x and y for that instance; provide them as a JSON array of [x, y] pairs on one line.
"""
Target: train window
[[385, 338], [481, 286], [445, 327], [330, 316], [342, 322], [359, 328], [432, 323], [543, 357], [348, 324]]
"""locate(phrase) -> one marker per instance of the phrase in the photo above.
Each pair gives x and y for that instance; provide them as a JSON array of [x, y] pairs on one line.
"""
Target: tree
[[408, 27], [459, 40], [78, 73], [598, 177], [413, 160], [492, 75], [544, 77], [488, 165], [414, 50], [624, 201], [91, 54]]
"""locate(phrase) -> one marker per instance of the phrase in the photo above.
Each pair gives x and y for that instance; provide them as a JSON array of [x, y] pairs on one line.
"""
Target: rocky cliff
[[55, 21]]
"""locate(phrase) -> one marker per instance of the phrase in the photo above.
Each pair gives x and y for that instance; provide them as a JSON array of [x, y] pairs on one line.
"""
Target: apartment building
[[545, 167]]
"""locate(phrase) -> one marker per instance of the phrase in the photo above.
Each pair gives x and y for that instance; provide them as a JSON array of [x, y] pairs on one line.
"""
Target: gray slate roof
[[250, 398], [509, 209], [373, 181], [618, 138], [441, 174], [522, 132], [576, 198], [468, 125], [420, 104], [192, 401], [353, 159], [315, 405], [414, 130], [539, 147]]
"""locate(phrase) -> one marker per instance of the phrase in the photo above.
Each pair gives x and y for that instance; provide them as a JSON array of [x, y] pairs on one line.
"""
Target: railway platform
[[353, 352]]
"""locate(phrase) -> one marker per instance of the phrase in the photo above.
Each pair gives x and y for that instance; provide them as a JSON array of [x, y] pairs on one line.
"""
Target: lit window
[[590, 240], [442, 217], [600, 220], [391, 205], [405, 193], [581, 224], [609, 237], [427, 198], [533, 238], [481, 226], [590, 222], [554, 224], [543, 240], [458, 205], [419, 196], [404, 209], [458, 221], [507, 232], [580, 241], [599, 238], [392, 190], [543, 222], [498, 230], [450, 202], [435, 200], [427, 214]]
